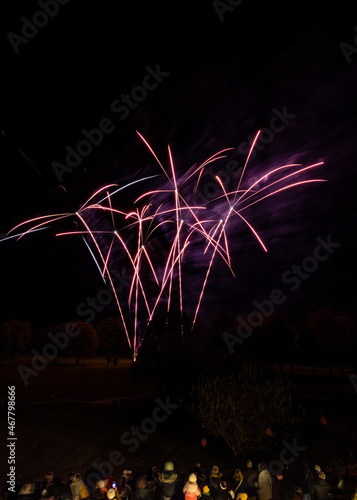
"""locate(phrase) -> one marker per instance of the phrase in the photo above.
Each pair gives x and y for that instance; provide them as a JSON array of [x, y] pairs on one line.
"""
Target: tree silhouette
[[228, 406]]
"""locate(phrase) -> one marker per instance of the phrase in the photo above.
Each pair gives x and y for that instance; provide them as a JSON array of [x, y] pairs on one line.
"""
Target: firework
[[168, 211]]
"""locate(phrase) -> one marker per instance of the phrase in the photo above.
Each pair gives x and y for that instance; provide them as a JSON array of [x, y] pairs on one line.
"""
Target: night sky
[[222, 73]]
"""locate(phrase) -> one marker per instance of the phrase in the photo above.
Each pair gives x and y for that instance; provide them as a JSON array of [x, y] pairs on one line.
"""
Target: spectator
[[167, 481], [264, 483], [206, 494], [215, 479], [124, 489], [191, 489], [286, 484], [251, 477], [239, 483], [320, 490], [307, 481], [78, 488], [67, 485], [43, 488], [100, 490], [142, 491], [223, 493]]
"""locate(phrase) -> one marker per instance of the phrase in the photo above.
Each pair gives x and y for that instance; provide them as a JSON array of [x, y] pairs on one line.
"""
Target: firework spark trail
[[247, 160], [20, 234], [110, 279], [55, 217], [92, 254], [187, 225]]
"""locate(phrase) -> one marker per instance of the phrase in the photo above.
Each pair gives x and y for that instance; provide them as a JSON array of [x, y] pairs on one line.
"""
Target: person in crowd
[[316, 472], [142, 491], [43, 488], [239, 483], [153, 481], [167, 481], [123, 487], [78, 489], [67, 485], [251, 477], [191, 489], [206, 494], [202, 480], [307, 480], [223, 492], [264, 483], [215, 479], [129, 479], [321, 489], [286, 484], [57, 488], [100, 490]]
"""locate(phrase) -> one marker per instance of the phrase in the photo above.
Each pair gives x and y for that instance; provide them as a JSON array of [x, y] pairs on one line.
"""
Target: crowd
[[167, 484]]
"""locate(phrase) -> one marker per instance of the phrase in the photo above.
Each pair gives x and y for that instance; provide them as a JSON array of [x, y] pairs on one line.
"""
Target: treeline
[[324, 339]]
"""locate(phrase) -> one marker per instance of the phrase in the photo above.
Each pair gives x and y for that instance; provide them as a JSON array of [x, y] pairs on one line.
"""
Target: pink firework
[[185, 225]]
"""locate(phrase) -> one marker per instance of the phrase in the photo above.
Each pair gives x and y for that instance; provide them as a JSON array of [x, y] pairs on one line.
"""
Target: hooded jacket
[[265, 491]]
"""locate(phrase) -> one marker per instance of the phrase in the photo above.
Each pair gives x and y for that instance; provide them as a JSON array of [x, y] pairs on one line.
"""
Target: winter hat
[[317, 468], [242, 496], [205, 490], [192, 478], [223, 485], [215, 470], [111, 494], [322, 475], [169, 466]]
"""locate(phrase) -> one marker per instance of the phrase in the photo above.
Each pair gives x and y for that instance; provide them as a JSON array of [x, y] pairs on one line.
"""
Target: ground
[[68, 416]]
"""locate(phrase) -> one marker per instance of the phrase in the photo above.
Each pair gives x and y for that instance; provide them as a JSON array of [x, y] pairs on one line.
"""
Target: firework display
[[170, 211]]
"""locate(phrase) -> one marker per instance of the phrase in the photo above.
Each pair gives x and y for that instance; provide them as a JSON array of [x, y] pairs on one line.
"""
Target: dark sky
[[224, 75]]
